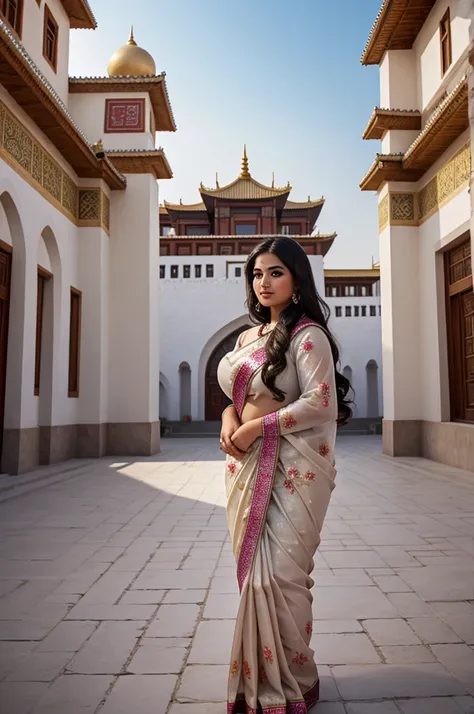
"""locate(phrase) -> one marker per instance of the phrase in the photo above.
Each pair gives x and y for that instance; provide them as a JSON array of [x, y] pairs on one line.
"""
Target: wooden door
[[460, 328], [5, 278], [216, 400]]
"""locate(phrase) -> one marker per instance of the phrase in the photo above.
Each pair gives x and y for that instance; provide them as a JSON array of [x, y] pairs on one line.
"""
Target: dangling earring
[[258, 307], [295, 298]]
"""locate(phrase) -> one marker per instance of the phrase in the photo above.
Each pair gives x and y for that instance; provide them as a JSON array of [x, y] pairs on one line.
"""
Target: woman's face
[[272, 282]]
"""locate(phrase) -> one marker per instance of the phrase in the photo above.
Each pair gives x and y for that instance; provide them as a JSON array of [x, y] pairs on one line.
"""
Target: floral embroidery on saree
[[232, 468], [307, 346], [323, 449], [268, 654], [300, 659], [325, 392], [288, 420], [309, 628], [247, 670]]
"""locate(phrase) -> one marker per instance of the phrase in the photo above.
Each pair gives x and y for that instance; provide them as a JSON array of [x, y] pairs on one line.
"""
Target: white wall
[[208, 309], [398, 80], [88, 111], [32, 39]]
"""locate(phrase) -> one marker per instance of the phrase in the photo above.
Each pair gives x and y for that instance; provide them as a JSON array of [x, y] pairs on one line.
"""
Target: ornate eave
[[247, 189], [186, 207], [298, 205], [353, 273], [155, 86], [34, 94], [80, 14], [396, 27], [447, 122], [137, 161], [383, 120]]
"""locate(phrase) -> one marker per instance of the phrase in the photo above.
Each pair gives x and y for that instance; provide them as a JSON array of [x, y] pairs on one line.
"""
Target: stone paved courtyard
[[118, 587]]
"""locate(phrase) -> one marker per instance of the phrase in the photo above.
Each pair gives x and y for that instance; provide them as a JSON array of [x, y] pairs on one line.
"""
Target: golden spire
[[244, 172], [131, 39], [273, 179]]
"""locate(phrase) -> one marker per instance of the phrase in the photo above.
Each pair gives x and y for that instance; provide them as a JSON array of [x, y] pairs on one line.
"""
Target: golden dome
[[131, 61]]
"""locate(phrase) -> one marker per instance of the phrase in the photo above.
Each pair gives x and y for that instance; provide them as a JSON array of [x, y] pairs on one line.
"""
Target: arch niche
[[215, 399], [372, 389]]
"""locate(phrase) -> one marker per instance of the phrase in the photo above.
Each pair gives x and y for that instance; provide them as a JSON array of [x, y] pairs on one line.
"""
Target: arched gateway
[[216, 401]]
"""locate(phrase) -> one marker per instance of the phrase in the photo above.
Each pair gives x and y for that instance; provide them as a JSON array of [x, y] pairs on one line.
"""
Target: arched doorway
[[372, 389], [348, 374], [216, 400]]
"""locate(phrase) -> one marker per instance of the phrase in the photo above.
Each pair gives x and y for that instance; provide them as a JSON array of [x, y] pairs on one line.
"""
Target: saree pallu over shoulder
[[277, 499]]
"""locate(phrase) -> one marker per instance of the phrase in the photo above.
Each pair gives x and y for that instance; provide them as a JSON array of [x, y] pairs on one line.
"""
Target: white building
[[422, 179], [79, 295], [204, 247]]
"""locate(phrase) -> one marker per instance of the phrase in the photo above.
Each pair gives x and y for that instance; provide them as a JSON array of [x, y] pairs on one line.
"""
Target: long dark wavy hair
[[310, 304]]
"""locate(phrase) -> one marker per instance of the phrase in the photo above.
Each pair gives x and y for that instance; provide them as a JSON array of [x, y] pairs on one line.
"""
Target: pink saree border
[[244, 374], [310, 698], [261, 495]]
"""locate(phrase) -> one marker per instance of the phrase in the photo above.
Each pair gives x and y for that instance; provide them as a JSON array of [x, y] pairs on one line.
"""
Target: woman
[[279, 437]]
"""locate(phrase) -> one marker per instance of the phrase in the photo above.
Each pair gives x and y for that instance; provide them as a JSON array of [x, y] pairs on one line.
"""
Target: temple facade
[[421, 177], [79, 250], [203, 249]]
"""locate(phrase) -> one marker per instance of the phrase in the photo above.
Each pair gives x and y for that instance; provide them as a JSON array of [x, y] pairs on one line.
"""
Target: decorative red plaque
[[124, 115]]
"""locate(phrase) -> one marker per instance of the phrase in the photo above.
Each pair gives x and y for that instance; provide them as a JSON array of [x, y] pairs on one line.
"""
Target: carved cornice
[[19, 148], [414, 208]]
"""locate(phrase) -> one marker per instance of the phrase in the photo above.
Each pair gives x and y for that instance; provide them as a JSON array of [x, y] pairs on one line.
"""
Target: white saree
[[277, 500]]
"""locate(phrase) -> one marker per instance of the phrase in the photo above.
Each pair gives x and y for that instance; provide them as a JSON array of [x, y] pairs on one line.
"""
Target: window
[[380, 309], [364, 311], [349, 290], [348, 311], [338, 311], [174, 271], [356, 311], [373, 311], [245, 229], [12, 11], [285, 230], [50, 38], [165, 230], [363, 291], [445, 42], [238, 272], [197, 271], [334, 292], [186, 271], [162, 272], [197, 231], [43, 277], [74, 342], [209, 271]]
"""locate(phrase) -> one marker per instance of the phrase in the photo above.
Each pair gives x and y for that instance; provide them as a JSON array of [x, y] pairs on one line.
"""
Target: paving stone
[[410, 605], [459, 616], [171, 579], [203, 683], [330, 708], [140, 694], [184, 596], [354, 603], [11, 653], [40, 667], [459, 660], [174, 621], [108, 649], [390, 632], [353, 559], [440, 582], [336, 626], [143, 597], [433, 705], [372, 708], [159, 656], [387, 681], [67, 637], [194, 708], [391, 584], [344, 649], [74, 694], [20, 697], [466, 704], [221, 606], [212, 643], [111, 612], [406, 654], [432, 630]]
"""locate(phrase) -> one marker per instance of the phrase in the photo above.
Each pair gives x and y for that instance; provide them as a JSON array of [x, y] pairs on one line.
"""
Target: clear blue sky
[[283, 77]]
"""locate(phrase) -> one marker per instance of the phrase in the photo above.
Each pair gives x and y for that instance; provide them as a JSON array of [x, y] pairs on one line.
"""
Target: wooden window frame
[[445, 42], [48, 16], [74, 344], [43, 277], [17, 29]]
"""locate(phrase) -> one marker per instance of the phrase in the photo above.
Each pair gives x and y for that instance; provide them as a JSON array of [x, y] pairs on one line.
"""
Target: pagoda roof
[[80, 14], [184, 206], [155, 86], [396, 27], [297, 205], [245, 187], [384, 119], [448, 121]]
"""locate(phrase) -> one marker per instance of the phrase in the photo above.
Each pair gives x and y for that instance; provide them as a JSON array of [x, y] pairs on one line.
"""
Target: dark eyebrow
[[273, 267]]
